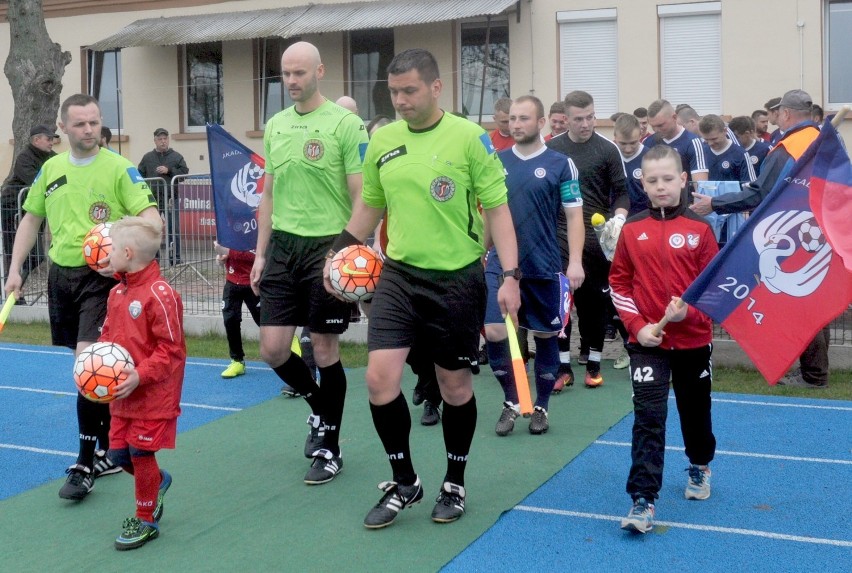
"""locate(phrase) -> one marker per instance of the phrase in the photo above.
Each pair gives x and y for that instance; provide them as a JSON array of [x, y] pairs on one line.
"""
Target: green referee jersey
[[74, 199], [310, 156], [430, 181]]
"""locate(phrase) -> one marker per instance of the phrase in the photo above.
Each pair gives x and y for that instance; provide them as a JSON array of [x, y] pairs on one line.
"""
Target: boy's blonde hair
[[140, 233]]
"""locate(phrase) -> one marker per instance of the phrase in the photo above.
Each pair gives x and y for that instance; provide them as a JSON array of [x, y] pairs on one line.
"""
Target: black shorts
[[440, 311], [291, 289], [76, 303]]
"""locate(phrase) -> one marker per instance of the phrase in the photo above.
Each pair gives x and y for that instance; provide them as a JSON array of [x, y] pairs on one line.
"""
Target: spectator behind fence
[[27, 165], [165, 162]]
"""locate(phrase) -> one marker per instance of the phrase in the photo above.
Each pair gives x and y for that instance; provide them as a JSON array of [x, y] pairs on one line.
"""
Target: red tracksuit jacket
[[658, 255], [145, 316]]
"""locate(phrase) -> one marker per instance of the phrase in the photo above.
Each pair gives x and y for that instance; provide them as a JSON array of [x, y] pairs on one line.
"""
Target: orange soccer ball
[[98, 370], [97, 245], [355, 272]]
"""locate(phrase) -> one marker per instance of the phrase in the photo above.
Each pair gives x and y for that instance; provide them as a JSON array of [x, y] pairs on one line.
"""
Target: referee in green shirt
[[430, 172]]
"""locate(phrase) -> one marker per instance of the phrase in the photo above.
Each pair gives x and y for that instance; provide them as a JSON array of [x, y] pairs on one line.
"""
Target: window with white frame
[[370, 53], [838, 46], [272, 95], [204, 101], [691, 55], [588, 56], [103, 70], [479, 39]]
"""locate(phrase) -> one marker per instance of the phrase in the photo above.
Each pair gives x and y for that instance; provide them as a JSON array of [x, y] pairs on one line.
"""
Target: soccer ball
[[355, 272], [811, 236], [97, 245], [98, 370]]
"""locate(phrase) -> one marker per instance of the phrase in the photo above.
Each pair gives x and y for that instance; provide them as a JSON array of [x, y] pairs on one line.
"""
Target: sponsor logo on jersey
[[135, 309], [142, 438], [726, 165], [676, 241], [54, 186], [442, 188], [692, 240], [642, 237], [313, 150], [704, 374], [134, 175], [99, 212], [541, 172], [637, 173], [392, 154]]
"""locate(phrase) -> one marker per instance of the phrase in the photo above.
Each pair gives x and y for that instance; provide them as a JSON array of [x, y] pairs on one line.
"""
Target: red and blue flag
[[782, 278], [237, 176]]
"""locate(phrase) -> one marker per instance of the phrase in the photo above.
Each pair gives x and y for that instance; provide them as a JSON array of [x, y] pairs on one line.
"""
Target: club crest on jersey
[[637, 173], [541, 172], [692, 240], [442, 189], [135, 309], [676, 241], [726, 165], [313, 150], [99, 212]]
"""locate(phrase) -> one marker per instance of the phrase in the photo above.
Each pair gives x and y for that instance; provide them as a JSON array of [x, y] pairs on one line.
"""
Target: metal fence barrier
[[187, 258]]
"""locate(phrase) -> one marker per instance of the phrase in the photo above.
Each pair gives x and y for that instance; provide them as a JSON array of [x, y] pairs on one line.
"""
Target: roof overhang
[[295, 21]]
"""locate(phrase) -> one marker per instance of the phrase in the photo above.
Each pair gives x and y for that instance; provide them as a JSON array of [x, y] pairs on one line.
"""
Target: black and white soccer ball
[[811, 236]]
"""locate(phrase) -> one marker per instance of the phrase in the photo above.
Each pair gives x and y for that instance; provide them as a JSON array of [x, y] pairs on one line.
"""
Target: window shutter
[[589, 61]]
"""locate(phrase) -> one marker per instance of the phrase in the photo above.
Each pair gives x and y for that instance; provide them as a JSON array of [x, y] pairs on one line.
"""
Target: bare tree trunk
[[34, 68]]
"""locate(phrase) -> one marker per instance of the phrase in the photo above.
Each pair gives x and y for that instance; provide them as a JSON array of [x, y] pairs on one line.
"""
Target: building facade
[[181, 63]]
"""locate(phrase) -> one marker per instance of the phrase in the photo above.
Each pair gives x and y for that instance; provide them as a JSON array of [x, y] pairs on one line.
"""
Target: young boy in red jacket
[[145, 316], [658, 255]]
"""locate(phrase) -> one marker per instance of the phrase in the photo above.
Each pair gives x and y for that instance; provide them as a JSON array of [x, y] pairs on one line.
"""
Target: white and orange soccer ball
[[97, 245], [98, 370], [355, 272]]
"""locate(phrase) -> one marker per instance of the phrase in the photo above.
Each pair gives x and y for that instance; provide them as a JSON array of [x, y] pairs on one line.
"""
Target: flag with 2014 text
[[237, 175], [782, 278]]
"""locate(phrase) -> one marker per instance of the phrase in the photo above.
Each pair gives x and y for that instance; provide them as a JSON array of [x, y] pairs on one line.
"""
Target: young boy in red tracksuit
[[236, 292], [658, 255], [145, 316]]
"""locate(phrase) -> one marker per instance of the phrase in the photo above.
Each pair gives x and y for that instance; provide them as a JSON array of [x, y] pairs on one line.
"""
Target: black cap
[[160, 131], [44, 130]]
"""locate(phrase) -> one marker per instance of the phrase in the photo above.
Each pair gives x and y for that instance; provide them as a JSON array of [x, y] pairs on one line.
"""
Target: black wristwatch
[[513, 273]]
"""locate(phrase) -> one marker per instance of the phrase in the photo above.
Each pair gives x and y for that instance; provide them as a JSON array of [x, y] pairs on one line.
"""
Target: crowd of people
[[450, 198]]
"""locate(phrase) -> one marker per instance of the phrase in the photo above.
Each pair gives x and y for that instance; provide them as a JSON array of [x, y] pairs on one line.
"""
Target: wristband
[[343, 240]]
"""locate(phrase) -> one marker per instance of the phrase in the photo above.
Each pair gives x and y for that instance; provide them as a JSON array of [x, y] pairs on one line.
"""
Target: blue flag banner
[[779, 281], [565, 299], [237, 175]]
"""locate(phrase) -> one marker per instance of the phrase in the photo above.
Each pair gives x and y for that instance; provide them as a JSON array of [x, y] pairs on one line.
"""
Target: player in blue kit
[[662, 118], [726, 160], [746, 133], [541, 182], [627, 137]]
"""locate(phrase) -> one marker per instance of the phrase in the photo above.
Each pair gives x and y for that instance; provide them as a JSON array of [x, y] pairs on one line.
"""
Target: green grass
[[734, 380]]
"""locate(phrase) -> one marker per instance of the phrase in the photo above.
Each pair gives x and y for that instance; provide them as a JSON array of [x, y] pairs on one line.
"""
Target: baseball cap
[[44, 130], [772, 104], [797, 99], [160, 131]]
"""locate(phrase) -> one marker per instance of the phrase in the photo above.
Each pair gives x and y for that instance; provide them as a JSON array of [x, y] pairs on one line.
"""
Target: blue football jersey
[[690, 147], [757, 152], [539, 185], [730, 164], [633, 168]]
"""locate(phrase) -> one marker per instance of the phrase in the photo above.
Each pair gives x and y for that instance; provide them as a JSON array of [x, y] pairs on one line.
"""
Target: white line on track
[[61, 393], [38, 450], [741, 454], [693, 526], [780, 404]]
